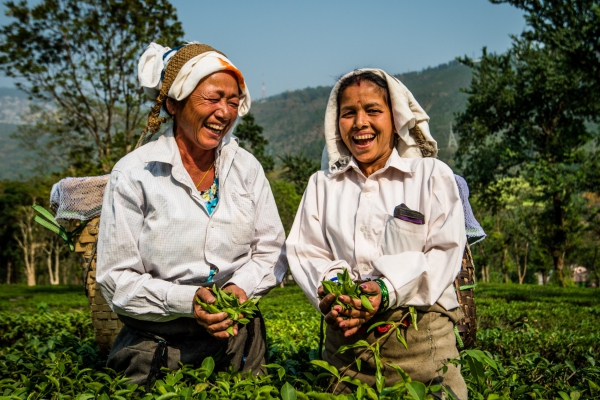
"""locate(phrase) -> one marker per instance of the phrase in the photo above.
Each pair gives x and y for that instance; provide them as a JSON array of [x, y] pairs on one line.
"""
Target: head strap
[[182, 56]]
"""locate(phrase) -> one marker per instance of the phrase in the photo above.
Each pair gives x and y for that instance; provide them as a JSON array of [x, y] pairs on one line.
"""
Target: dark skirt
[[184, 341]]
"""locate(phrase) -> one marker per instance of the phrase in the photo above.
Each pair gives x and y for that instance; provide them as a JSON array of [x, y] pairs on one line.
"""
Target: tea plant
[[239, 313], [533, 343], [347, 287]]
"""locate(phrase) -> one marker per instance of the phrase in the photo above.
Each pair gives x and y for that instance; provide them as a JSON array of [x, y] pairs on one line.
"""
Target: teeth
[[362, 137], [215, 127]]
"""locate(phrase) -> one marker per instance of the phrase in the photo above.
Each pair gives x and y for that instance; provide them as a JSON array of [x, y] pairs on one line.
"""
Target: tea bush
[[533, 343]]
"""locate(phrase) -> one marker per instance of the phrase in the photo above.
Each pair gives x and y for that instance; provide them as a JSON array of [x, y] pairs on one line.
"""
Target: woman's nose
[[360, 119], [223, 111]]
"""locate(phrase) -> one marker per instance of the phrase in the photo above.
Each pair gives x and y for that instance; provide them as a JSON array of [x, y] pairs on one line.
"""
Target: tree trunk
[[595, 268], [559, 239], [559, 263], [27, 243], [503, 265], [521, 272], [485, 270], [52, 250], [8, 272]]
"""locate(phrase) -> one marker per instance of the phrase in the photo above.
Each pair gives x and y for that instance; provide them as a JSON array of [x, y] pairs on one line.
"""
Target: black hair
[[355, 79]]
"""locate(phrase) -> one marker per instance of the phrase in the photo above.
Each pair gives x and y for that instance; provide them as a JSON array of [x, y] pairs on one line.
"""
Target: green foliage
[[297, 169], [528, 115], [287, 200], [534, 342], [347, 287], [294, 120], [239, 313], [82, 56], [251, 139]]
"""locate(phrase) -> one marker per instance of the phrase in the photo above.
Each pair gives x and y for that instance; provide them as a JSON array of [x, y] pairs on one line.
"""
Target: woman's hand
[[236, 291], [354, 318], [215, 324]]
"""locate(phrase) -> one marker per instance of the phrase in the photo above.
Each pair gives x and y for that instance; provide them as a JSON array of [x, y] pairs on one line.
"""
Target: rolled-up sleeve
[[121, 275]]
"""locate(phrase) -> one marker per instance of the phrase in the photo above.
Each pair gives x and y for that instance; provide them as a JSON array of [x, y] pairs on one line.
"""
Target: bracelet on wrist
[[385, 296]]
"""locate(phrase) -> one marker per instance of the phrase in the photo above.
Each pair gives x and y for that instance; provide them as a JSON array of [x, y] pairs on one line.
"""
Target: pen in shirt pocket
[[406, 214]]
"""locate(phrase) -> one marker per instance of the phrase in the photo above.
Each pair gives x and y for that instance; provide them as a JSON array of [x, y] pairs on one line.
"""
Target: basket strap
[[47, 220]]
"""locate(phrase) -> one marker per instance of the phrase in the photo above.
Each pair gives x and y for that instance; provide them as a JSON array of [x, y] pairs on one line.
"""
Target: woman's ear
[[171, 105]]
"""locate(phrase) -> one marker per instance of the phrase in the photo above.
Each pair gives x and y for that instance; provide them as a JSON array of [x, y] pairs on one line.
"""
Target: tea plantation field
[[533, 343]]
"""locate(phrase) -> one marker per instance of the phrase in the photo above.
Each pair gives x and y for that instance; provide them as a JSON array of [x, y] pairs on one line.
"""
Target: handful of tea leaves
[[345, 286], [229, 303]]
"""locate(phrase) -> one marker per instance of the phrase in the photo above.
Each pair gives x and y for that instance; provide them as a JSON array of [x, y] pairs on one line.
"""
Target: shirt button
[[368, 195], [365, 267], [212, 225], [362, 228]]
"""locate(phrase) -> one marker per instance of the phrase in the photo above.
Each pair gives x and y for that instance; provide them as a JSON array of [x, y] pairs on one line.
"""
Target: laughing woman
[[389, 213], [182, 213]]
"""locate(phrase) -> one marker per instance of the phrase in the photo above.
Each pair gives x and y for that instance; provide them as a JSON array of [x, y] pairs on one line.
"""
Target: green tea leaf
[[288, 392], [413, 317], [417, 390], [401, 338], [364, 300], [208, 364], [325, 365]]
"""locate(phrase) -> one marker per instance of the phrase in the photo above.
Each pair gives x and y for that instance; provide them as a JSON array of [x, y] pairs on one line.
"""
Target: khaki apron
[[428, 351]]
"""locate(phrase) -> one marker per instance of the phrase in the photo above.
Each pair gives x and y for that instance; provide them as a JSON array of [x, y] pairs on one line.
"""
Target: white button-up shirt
[[345, 220], [157, 242]]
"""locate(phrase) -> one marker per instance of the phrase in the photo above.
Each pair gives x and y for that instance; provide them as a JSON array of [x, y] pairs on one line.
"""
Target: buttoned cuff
[[180, 300]]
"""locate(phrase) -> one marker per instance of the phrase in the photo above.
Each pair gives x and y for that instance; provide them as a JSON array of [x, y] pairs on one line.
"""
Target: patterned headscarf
[[175, 73]]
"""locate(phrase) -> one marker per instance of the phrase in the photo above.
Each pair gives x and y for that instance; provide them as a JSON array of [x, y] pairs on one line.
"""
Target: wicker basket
[[106, 323], [463, 284]]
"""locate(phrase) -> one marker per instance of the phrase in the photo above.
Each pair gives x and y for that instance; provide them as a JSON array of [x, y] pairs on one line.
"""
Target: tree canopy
[[82, 56], [531, 114]]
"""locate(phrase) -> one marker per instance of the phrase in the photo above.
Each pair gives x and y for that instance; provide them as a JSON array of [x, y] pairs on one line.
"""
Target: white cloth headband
[[405, 110], [155, 59]]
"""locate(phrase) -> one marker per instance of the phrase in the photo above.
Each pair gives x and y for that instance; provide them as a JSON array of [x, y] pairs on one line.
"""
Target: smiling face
[[203, 118], [365, 125]]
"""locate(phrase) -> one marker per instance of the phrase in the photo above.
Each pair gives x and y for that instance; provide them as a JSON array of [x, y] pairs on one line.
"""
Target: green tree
[[250, 135], [81, 55], [287, 202], [528, 115], [297, 169]]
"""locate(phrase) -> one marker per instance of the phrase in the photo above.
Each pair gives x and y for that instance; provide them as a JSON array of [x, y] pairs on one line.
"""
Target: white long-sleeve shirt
[[157, 242], [345, 220]]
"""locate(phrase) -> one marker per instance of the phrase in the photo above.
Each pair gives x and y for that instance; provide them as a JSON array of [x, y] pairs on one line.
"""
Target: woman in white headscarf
[[182, 213], [389, 212]]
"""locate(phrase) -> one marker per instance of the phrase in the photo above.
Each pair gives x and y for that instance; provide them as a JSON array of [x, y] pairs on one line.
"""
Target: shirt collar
[[395, 161], [165, 150]]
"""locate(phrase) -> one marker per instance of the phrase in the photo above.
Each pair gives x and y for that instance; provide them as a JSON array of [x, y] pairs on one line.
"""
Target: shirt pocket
[[401, 236], [242, 221]]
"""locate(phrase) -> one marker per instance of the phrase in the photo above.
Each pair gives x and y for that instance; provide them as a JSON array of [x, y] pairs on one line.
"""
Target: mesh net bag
[[475, 232], [80, 199]]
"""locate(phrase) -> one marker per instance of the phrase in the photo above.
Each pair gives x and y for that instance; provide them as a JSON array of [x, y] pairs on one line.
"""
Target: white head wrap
[[155, 59], [406, 113]]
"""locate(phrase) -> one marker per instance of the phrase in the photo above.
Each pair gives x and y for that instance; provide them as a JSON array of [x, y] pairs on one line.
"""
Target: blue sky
[[298, 44]]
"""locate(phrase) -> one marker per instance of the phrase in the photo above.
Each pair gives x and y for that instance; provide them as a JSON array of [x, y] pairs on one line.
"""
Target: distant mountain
[[293, 121]]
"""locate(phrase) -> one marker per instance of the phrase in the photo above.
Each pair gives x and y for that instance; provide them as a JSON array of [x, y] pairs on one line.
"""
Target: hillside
[[293, 121]]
